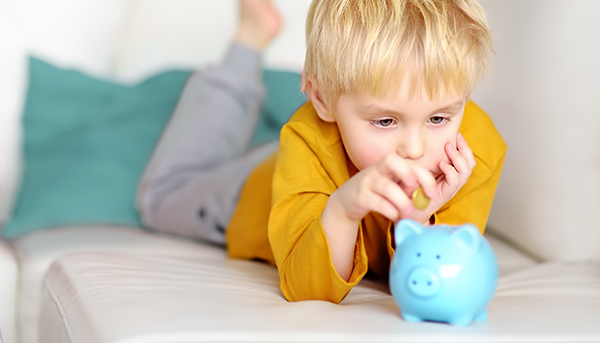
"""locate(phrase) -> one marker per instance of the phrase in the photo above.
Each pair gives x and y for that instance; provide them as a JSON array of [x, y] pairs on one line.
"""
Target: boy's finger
[[392, 192], [465, 150], [426, 180], [386, 209], [450, 173], [458, 160], [392, 195], [398, 170]]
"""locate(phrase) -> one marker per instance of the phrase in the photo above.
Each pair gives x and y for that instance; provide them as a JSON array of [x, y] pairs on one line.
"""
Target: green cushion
[[283, 98], [87, 142]]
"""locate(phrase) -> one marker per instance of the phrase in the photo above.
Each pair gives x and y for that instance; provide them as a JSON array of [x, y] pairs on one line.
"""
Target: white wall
[[544, 99], [192, 33]]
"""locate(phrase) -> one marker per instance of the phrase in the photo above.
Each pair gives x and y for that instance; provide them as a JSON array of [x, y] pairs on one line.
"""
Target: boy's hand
[[455, 174], [378, 188], [386, 187]]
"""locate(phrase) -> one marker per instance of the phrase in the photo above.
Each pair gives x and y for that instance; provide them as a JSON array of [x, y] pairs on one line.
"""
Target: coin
[[420, 200]]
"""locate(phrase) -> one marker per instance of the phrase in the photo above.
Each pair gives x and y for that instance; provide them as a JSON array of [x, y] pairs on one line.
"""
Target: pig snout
[[423, 283]]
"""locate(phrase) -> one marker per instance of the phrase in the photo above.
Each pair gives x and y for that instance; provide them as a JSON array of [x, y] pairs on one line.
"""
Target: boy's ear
[[314, 95]]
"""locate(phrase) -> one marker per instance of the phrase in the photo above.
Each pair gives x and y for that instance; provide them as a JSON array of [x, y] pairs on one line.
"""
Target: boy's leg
[[215, 115], [191, 186], [211, 127], [202, 207]]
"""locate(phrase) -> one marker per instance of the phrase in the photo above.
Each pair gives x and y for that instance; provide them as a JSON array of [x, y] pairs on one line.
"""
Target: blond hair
[[374, 45]]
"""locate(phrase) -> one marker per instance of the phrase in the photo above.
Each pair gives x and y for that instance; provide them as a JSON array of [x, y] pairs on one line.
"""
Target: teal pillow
[[282, 99], [87, 142]]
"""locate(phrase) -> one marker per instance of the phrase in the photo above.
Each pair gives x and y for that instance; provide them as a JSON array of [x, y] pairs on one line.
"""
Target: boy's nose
[[412, 148]]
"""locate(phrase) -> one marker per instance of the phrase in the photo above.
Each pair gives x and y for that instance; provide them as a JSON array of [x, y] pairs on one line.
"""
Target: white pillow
[[79, 34], [543, 98]]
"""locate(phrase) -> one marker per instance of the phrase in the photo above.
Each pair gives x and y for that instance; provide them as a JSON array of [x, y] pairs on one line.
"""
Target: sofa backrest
[[543, 99]]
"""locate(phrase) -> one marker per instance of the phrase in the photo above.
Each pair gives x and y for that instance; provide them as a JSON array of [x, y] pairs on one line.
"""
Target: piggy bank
[[442, 273]]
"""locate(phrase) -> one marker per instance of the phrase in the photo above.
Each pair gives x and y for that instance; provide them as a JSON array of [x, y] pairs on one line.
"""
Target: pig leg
[[482, 317], [411, 318]]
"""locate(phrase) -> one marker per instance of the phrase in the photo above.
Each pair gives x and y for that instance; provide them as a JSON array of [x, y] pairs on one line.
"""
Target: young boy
[[389, 111]]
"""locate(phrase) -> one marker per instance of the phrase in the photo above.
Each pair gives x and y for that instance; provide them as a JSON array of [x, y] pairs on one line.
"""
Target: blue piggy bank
[[442, 273]]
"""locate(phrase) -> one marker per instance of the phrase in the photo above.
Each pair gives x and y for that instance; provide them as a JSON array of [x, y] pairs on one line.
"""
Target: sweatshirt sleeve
[[305, 176]]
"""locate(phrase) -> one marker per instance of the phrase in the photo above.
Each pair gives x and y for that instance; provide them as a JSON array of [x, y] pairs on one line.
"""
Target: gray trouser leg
[[192, 183]]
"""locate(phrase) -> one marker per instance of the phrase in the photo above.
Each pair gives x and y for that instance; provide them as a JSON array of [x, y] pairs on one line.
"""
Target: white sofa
[[106, 283]]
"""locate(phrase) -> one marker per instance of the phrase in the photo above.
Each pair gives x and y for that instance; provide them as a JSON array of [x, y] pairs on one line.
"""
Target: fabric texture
[[88, 140], [310, 165]]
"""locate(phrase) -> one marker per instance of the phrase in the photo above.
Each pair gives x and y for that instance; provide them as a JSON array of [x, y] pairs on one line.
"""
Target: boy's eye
[[437, 120], [386, 122]]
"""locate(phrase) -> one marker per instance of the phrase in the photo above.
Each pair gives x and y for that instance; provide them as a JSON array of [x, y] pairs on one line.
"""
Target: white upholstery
[[543, 99], [8, 292], [36, 252], [199, 295]]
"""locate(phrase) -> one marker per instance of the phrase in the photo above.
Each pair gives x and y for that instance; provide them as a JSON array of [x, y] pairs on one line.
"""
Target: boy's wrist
[[334, 213]]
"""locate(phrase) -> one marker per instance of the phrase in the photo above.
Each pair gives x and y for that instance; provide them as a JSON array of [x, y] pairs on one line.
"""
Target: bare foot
[[259, 23]]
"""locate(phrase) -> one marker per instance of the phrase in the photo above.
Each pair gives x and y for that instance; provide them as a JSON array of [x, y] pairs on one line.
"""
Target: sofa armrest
[[8, 292]]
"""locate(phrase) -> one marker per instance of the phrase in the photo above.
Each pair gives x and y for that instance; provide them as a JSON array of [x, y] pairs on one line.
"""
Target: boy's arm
[[374, 189], [303, 253], [210, 127], [305, 177]]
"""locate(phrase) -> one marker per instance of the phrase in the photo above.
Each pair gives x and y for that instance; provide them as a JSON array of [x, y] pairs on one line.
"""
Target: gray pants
[[192, 183]]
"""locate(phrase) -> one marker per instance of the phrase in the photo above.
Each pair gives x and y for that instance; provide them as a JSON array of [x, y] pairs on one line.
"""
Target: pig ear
[[406, 228], [468, 235]]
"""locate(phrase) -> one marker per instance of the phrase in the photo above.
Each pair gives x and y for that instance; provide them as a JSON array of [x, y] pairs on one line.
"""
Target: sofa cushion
[[88, 140], [37, 251], [204, 296], [86, 144], [76, 33]]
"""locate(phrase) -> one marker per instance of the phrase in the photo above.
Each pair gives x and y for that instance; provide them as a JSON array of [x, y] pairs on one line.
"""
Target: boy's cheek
[[369, 152], [433, 161], [362, 156]]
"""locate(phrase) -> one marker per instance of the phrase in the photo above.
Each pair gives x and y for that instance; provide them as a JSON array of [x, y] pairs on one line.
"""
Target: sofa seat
[[36, 252], [192, 292]]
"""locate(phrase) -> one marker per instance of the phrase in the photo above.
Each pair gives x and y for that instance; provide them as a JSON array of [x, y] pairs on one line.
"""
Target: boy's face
[[417, 128]]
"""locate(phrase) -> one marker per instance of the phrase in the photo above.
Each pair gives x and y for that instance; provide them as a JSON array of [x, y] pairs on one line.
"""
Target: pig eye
[[438, 256], [418, 254]]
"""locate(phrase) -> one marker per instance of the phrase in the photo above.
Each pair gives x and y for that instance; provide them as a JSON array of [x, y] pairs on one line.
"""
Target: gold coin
[[420, 200]]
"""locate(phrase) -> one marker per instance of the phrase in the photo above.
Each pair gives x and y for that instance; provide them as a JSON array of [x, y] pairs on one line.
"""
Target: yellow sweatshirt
[[278, 218]]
